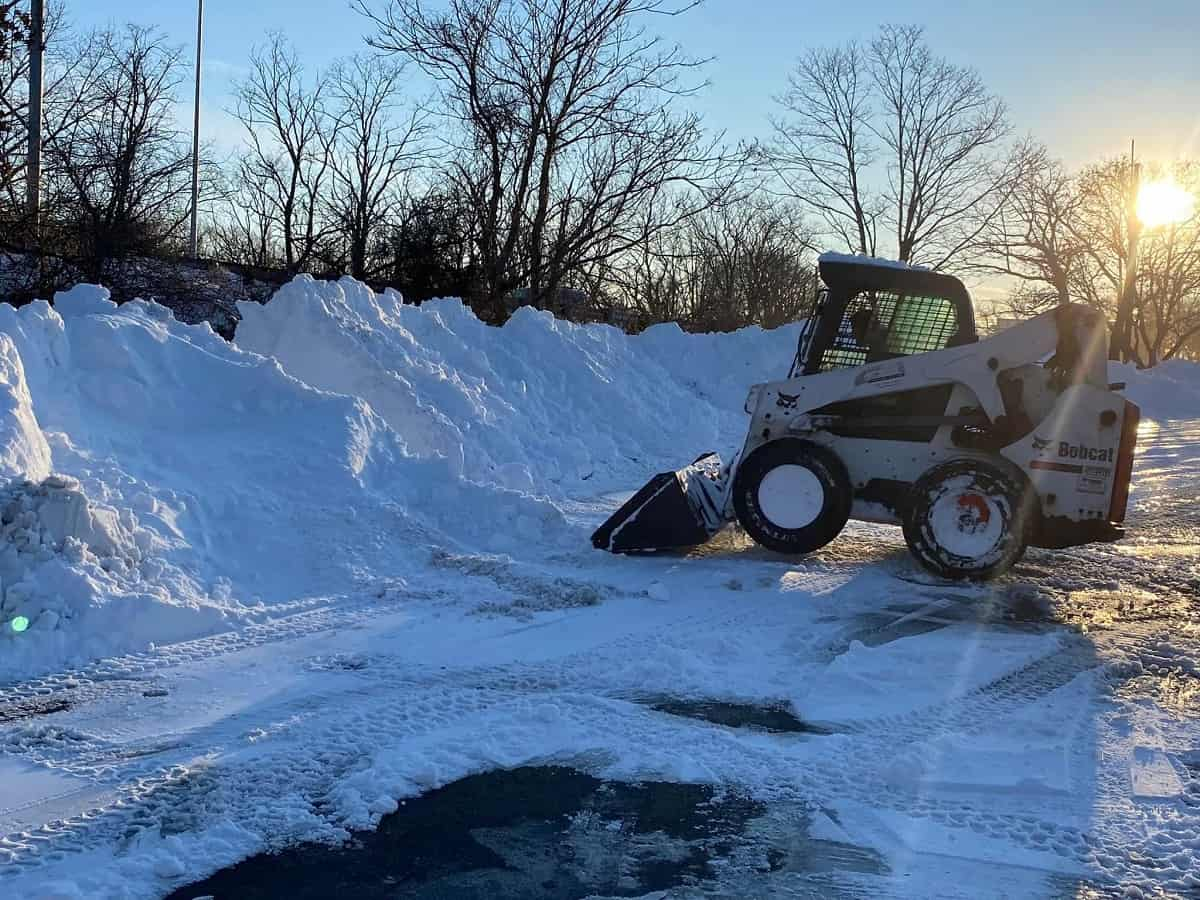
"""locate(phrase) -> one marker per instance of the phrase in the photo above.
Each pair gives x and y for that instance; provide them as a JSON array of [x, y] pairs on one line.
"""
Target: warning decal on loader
[[1094, 480], [875, 374]]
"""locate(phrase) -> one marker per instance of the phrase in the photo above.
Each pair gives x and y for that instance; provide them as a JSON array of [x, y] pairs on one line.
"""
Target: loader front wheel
[[792, 496], [968, 519]]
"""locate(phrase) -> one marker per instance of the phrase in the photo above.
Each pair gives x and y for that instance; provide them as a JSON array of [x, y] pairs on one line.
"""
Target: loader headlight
[[752, 399]]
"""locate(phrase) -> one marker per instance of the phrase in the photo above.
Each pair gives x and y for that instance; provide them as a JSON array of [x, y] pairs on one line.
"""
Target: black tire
[[835, 496], [968, 519]]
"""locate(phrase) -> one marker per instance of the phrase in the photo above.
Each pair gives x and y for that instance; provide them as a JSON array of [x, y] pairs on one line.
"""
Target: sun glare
[[1164, 203]]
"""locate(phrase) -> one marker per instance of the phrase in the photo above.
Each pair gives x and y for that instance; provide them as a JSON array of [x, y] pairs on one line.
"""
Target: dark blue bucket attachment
[[674, 509]]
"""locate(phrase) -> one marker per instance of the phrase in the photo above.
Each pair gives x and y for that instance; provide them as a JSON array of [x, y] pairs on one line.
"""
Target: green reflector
[[20, 623]]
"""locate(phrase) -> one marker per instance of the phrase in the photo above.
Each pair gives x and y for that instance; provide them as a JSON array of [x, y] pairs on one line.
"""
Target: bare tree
[[1165, 315], [942, 130], [14, 67], [824, 151], [244, 231], [1066, 239], [63, 65], [755, 265], [116, 165], [290, 140], [1163, 311], [1034, 238], [741, 263], [431, 245], [892, 136], [658, 278], [373, 153], [566, 135], [1166, 322]]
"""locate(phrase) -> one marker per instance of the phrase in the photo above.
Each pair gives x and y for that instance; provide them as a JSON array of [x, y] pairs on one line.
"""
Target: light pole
[[193, 242], [33, 160]]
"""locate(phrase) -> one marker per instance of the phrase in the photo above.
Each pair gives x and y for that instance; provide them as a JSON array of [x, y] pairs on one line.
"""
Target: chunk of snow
[[82, 300], [1153, 776]]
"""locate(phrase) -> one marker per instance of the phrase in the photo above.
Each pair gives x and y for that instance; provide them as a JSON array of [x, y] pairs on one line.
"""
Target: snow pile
[[56, 515], [539, 404], [207, 485], [1171, 390], [79, 580]]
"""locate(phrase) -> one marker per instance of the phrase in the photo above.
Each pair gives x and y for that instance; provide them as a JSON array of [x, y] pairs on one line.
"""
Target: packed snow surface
[[261, 593]]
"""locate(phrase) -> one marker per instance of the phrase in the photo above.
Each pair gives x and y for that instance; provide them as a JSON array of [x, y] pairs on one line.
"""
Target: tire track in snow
[[130, 673]]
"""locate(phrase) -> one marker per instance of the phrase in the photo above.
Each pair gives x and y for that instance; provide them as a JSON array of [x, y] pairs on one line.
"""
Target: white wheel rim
[[966, 522], [791, 496]]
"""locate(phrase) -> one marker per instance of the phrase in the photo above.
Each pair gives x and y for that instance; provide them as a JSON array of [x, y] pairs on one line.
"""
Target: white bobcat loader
[[894, 411]]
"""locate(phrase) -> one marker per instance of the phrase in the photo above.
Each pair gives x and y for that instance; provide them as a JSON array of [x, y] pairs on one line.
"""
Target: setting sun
[[1164, 203]]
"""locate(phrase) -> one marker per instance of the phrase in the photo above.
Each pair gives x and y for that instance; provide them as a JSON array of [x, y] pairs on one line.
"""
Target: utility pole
[[193, 241], [33, 177], [1119, 344]]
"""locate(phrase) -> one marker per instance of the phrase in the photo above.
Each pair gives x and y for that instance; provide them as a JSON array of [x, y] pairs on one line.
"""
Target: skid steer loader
[[894, 411]]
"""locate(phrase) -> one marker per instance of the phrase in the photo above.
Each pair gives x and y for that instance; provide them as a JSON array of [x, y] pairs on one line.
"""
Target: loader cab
[[872, 310]]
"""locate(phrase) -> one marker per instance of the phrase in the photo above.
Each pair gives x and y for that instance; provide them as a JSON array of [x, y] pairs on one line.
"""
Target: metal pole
[[33, 160], [193, 241], [1120, 344]]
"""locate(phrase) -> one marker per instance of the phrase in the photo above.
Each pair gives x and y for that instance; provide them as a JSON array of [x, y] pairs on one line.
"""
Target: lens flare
[[19, 624], [1164, 203]]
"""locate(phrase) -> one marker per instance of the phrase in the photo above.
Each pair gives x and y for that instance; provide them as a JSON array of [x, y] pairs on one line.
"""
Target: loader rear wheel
[[792, 496], [968, 519]]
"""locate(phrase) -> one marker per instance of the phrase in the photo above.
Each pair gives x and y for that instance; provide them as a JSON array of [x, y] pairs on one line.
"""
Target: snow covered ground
[[252, 601]]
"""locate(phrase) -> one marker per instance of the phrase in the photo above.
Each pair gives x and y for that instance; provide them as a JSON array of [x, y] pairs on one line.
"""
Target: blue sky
[[1084, 77]]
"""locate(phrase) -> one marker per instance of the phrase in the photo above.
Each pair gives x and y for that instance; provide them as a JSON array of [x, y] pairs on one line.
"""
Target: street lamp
[[33, 162], [193, 236]]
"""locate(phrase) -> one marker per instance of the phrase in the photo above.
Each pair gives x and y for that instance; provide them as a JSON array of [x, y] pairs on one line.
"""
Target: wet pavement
[[547, 831], [771, 719]]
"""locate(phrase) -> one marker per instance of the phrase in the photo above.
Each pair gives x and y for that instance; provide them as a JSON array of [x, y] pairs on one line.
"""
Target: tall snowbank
[[539, 404], [222, 484]]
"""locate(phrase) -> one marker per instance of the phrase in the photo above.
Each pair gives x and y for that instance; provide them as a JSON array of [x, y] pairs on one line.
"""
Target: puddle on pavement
[[539, 831], [773, 719]]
